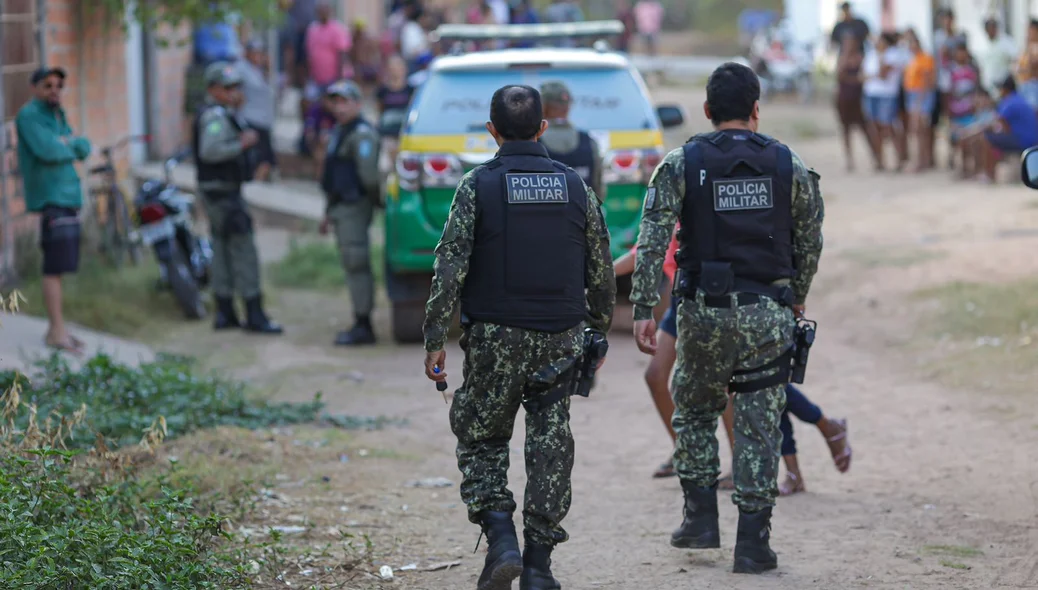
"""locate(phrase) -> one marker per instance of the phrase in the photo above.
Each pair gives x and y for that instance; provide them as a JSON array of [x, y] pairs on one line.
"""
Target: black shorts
[[263, 151], [59, 239]]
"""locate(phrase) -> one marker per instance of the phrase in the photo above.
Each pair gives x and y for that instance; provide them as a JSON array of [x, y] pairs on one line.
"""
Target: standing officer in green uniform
[[751, 235], [221, 144], [566, 143], [527, 252], [350, 181]]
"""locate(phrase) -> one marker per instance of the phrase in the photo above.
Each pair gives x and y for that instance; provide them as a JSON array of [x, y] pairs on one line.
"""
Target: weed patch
[[317, 264]]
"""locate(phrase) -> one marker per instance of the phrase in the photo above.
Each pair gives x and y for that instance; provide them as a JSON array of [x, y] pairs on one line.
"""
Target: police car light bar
[[530, 32]]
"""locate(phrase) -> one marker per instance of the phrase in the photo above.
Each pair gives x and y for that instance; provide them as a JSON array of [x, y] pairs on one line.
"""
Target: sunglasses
[[53, 85]]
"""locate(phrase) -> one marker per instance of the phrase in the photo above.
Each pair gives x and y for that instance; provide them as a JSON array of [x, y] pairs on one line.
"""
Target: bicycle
[[118, 238]]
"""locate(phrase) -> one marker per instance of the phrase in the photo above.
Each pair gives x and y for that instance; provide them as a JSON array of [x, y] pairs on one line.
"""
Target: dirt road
[[943, 491]]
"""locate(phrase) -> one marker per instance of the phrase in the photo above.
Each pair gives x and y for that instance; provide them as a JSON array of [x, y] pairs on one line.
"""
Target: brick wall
[[169, 129], [92, 50]]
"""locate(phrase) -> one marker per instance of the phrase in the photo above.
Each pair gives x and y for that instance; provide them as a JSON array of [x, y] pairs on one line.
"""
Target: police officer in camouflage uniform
[[526, 251], [751, 235], [221, 146], [566, 143], [350, 181]]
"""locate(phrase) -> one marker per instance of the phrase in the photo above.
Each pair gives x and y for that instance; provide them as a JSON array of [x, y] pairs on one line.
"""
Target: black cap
[[1009, 84], [43, 73]]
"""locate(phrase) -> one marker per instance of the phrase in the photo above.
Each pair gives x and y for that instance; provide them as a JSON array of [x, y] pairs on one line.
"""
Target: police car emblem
[[743, 194], [536, 188]]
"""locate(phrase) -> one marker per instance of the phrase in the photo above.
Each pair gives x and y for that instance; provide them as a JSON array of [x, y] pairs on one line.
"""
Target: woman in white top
[[881, 72]]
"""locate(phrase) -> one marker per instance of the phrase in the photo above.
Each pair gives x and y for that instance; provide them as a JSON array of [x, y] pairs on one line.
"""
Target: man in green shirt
[[47, 151]]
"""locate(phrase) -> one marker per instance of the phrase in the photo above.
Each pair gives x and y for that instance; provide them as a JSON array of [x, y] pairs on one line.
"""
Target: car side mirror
[[1029, 167], [670, 116]]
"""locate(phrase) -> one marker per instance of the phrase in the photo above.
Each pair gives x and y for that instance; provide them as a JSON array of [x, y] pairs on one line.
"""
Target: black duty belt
[[726, 301]]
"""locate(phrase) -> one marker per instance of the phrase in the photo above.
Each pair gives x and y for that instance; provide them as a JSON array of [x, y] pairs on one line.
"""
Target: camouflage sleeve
[[808, 213], [364, 148], [452, 263], [219, 141], [598, 272], [663, 200], [596, 169]]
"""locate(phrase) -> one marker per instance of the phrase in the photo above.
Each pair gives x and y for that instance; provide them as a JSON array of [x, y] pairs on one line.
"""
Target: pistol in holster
[[595, 348], [803, 338]]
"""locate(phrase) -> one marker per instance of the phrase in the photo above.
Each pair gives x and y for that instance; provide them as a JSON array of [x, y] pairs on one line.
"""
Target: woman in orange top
[[920, 80]]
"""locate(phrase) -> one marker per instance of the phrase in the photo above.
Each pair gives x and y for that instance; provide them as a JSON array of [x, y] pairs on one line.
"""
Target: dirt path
[[943, 492]]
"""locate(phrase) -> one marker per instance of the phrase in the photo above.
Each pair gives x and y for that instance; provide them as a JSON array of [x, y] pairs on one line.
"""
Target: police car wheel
[[408, 317]]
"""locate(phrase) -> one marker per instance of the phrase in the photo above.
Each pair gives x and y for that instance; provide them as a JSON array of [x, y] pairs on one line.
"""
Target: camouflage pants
[[352, 221], [235, 259], [502, 365], [712, 343]]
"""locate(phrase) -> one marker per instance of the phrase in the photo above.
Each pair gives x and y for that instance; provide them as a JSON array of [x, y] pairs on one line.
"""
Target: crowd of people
[[898, 91]]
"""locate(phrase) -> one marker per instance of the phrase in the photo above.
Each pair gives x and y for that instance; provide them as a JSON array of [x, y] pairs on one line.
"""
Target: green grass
[[954, 564], [125, 401], [125, 302], [890, 257], [970, 310], [980, 337], [959, 551], [317, 264]]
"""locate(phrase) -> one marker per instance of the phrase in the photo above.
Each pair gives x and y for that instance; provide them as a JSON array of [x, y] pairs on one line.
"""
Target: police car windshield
[[459, 102]]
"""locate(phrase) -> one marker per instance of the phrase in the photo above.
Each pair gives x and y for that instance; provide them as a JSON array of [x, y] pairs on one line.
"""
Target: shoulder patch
[[743, 194], [536, 187], [650, 198], [365, 148], [214, 127]]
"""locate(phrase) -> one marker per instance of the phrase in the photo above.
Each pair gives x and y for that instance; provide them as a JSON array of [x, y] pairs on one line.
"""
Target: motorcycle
[[782, 64], [165, 217]]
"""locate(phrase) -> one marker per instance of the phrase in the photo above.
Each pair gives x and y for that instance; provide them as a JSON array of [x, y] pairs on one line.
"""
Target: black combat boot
[[504, 563], [361, 333], [537, 569], [699, 529], [256, 320], [226, 317], [753, 555]]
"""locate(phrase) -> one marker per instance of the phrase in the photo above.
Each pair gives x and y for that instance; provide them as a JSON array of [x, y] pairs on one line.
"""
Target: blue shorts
[[921, 101], [1004, 142], [880, 109], [669, 323]]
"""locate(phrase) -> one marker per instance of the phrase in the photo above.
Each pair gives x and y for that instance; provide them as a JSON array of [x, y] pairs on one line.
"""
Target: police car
[[443, 136]]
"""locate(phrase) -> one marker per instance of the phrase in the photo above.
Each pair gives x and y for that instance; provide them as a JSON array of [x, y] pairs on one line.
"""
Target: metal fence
[[22, 37]]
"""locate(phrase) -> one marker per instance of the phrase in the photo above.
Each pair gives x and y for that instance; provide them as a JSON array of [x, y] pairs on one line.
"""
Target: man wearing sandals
[[47, 152], [751, 216]]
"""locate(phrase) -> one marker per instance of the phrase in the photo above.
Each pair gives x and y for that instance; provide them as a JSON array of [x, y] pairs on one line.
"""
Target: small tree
[[159, 15]]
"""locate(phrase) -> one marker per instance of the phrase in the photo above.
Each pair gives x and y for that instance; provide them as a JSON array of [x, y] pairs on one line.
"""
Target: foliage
[[318, 265], [107, 520], [126, 401], [173, 14]]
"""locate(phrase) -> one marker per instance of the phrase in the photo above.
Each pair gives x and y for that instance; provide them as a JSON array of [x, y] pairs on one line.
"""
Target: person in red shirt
[[657, 375]]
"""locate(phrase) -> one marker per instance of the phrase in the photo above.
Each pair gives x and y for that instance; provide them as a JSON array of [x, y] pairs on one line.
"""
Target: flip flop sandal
[[665, 470], [792, 485], [840, 448], [71, 346], [726, 483]]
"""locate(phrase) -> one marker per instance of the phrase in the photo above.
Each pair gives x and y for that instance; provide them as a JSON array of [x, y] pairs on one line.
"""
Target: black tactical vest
[[528, 257], [737, 220], [234, 170], [581, 160], [340, 181]]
